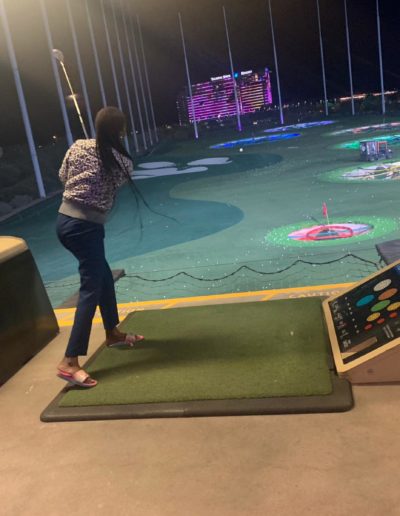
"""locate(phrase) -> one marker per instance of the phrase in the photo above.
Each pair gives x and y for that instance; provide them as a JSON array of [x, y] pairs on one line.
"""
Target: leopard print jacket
[[85, 180]]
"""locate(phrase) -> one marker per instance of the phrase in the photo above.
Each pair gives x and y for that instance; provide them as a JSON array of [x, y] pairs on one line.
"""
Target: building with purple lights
[[215, 99]]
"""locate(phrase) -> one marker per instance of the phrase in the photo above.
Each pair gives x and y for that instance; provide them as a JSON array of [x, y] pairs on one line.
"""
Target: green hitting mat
[[241, 358]]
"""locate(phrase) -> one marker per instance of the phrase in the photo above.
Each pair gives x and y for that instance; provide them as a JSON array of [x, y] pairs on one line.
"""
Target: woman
[[91, 173]]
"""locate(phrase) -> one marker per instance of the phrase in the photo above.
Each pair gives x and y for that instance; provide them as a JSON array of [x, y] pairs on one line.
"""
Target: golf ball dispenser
[[364, 328]]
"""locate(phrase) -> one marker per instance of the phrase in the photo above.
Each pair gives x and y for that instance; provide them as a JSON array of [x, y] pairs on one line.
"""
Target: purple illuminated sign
[[215, 99]]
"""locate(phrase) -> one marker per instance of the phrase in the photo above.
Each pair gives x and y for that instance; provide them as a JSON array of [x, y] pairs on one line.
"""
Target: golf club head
[[57, 54]]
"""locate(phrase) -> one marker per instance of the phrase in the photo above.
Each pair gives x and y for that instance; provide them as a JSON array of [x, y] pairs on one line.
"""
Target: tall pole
[[322, 59], [234, 83], [56, 74], [96, 55], [135, 86], [22, 101], [196, 132], [114, 73], [110, 54], [349, 58], [378, 22], [124, 76], [276, 64], [80, 68], [146, 111], [146, 74]]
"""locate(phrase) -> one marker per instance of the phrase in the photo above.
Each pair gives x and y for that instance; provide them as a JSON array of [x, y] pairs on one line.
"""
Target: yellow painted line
[[235, 295], [66, 310], [169, 305], [266, 298], [66, 324], [65, 315]]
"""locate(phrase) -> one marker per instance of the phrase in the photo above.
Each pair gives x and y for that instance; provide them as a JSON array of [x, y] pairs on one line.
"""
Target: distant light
[[364, 95], [386, 93], [359, 96]]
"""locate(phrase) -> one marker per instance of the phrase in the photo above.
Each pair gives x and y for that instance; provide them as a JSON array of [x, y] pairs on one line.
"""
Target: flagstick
[[325, 212]]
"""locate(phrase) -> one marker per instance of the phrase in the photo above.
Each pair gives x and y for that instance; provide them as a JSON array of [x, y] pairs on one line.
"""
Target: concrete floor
[[323, 464]]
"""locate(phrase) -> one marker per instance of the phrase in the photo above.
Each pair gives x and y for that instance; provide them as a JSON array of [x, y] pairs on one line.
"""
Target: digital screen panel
[[215, 99]]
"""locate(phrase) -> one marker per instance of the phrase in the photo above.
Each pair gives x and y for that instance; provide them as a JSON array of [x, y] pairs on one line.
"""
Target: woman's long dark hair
[[110, 129]]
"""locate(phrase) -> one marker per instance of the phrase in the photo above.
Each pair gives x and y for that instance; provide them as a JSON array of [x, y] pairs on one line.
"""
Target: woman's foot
[[69, 364], [115, 338], [70, 371]]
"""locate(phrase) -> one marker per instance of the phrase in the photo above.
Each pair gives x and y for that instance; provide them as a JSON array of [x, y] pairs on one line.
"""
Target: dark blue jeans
[[85, 240]]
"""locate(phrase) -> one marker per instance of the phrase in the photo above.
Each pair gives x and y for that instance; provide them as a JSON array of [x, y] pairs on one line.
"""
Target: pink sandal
[[80, 378], [129, 341]]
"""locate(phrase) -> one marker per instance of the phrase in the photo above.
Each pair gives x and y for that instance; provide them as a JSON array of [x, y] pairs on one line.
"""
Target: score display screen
[[368, 316]]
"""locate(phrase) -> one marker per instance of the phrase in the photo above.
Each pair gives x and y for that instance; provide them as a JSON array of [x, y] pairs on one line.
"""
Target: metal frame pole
[[378, 22], [96, 55], [135, 140], [146, 74], [114, 72], [22, 101], [322, 59], [196, 132], [276, 64], [239, 121], [146, 111], [135, 86], [110, 54], [349, 58], [56, 74], [80, 68]]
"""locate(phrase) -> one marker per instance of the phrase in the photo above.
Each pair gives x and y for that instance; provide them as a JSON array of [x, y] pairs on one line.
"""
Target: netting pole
[[276, 64], [22, 101]]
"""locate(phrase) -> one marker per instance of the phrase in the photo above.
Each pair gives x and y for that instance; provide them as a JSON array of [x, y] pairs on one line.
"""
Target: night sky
[[296, 33]]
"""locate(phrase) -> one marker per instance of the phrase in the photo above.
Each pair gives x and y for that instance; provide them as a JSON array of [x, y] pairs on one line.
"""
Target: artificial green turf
[[231, 351]]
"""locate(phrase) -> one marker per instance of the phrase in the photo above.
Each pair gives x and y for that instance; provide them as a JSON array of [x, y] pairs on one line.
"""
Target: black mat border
[[340, 400]]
